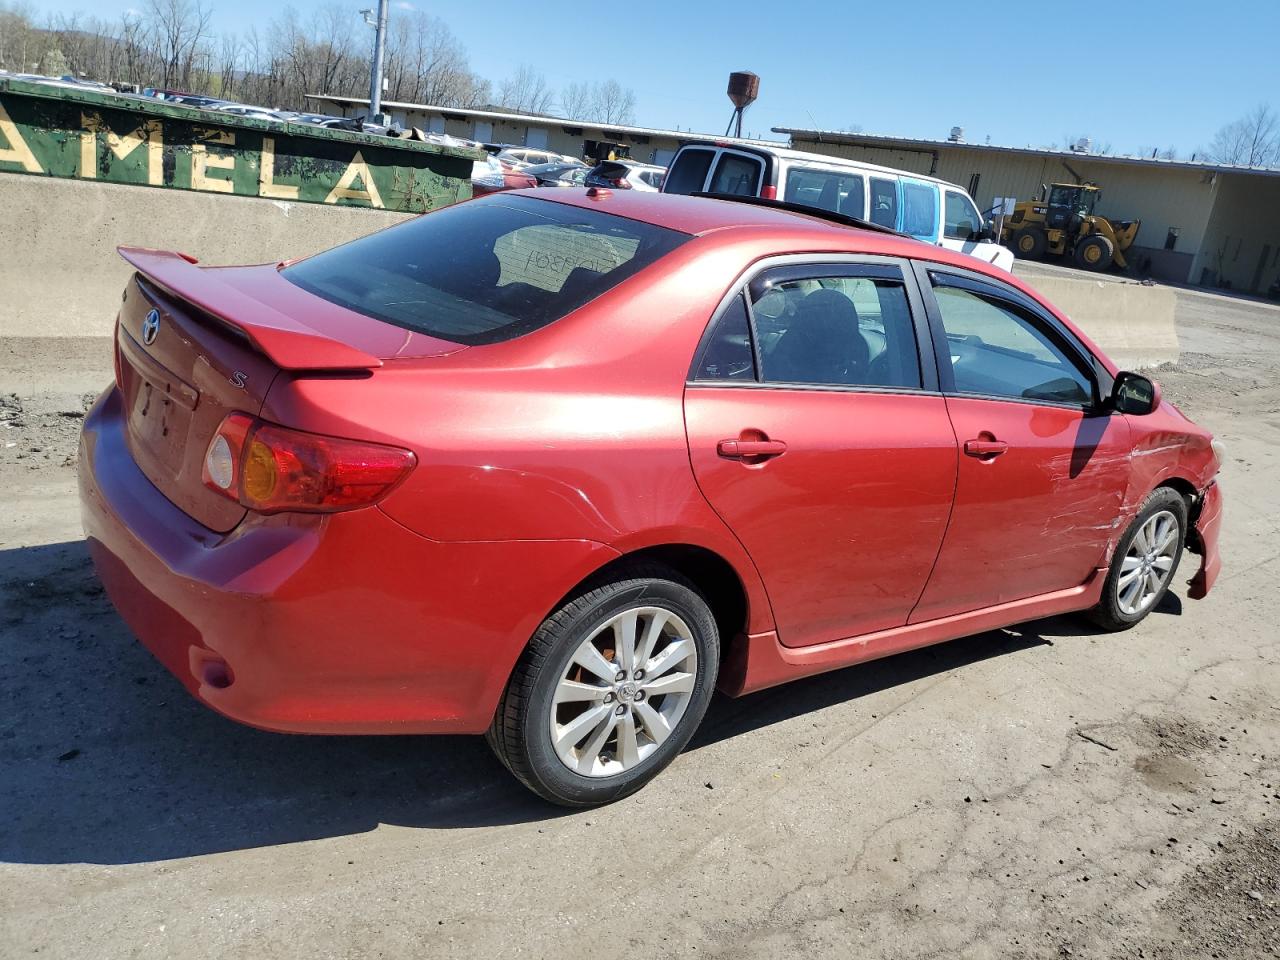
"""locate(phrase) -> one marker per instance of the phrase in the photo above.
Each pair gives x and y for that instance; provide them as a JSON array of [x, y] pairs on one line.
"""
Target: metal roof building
[[648, 144], [1202, 223]]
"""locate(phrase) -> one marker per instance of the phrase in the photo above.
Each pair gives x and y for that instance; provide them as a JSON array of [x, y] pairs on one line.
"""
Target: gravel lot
[[1042, 791]]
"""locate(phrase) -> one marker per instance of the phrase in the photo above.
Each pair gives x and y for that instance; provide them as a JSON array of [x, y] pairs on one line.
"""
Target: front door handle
[[750, 449], [985, 449]]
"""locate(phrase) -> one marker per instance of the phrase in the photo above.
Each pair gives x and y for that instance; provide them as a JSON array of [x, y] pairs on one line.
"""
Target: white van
[[926, 208]]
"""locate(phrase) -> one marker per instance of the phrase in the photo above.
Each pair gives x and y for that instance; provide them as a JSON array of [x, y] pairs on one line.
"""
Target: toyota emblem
[[151, 327]]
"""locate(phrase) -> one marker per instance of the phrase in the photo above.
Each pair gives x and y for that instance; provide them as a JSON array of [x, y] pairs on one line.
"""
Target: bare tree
[[526, 91], [229, 53], [180, 27], [1251, 141], [614, 103], [577, 101]]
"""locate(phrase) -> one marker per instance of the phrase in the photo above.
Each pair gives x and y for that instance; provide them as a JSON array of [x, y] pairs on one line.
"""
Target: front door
[[816, 437], [1042, 469]]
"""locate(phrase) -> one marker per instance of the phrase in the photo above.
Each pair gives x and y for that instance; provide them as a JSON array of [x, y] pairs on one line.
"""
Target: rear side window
[[884, 203], [831, 190], [485, 271], [920, 210], [844, 330], [727, 354], [689, 172], [736, 174]]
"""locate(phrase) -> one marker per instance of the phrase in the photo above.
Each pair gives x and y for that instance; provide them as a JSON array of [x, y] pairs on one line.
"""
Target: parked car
[[520, 157], [558, 174], [553, 465], [256, 113], [626, 175], [927, 208], [66, 80], [187, 99], [491, 175]]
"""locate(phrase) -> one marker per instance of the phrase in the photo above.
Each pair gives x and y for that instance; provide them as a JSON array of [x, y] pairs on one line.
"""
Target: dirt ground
[[1042, 791]]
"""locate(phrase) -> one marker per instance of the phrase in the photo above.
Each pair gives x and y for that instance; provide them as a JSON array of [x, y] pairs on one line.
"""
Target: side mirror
[[987, 234], [1135, 394]]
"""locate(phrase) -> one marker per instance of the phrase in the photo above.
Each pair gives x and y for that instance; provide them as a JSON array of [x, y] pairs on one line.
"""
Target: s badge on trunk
[[151, 327]]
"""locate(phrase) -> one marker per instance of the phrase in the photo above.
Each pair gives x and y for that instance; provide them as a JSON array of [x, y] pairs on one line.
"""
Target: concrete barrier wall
[[60, 274], [1134, 324]]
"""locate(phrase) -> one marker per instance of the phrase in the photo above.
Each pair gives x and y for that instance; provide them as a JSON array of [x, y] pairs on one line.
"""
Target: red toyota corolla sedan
[[553, 465]]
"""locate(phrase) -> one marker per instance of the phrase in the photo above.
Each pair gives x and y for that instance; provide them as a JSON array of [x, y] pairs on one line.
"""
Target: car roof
[[818, 159]]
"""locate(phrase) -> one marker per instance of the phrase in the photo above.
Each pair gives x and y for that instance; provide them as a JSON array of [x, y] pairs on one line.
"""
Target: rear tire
[[610, 688], [1095, 252], [1030, 243], [1145, 561]]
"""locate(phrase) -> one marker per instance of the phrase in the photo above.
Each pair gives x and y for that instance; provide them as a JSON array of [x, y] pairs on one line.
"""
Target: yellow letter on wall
[[149, 133], [342, 189], [202, 161], [16, 150], [267, 187]]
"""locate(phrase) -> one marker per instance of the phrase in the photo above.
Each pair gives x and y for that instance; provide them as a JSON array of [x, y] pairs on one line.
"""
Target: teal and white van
[[926, 208]]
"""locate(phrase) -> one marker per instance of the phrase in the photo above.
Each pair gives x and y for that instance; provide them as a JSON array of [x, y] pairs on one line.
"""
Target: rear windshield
[[484, 271]]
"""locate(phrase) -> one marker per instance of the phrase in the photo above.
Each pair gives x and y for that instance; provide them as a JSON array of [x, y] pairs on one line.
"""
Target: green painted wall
[[85, 135]]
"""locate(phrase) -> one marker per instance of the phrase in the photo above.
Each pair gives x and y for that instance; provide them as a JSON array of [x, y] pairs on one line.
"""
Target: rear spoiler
[[288, 342]]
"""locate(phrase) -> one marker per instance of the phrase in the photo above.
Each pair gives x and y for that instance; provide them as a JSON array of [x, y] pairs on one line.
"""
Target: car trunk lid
[[194, 344]]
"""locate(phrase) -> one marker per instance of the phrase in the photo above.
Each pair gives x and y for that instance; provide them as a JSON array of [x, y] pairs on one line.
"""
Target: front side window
[[832, 190], [844, 330], [999, 349], [485, 271], [736, 174], [689, 172], [961, 220], [884, 203]]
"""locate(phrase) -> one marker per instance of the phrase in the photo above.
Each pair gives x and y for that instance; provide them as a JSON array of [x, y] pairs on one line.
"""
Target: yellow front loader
[[1064, 225]]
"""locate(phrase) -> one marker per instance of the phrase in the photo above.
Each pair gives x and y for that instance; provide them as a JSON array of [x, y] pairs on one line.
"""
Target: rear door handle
[[748, 449], [985, 448]]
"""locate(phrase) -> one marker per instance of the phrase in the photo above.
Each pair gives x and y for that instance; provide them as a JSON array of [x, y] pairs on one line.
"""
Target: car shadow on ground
[[104, 758]]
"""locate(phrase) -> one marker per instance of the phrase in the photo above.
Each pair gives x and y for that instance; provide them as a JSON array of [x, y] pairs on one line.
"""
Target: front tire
[[1095, 252], [1144, 563], [610, 689]]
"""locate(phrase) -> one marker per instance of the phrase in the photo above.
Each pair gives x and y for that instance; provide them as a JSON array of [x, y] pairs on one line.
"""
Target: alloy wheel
[[1148, 563], [623, 692]]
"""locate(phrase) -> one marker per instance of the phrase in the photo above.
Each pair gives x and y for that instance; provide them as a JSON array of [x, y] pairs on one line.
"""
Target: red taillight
[[619, 184], [769, 192], [273, 469]]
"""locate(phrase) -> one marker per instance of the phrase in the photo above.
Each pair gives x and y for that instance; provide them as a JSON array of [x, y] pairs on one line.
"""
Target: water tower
[[743, 90]]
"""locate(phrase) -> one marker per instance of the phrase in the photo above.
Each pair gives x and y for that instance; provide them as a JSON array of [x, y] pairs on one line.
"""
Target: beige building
[[1202, 223]]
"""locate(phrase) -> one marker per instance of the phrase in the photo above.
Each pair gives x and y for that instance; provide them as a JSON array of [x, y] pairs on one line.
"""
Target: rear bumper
[[346, 623], [1205, 542]]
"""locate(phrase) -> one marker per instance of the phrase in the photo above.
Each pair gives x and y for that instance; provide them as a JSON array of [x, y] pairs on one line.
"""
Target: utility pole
[[375, 68]]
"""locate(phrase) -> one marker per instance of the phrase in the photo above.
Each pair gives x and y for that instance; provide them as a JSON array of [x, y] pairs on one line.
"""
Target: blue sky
[[1131, 73]]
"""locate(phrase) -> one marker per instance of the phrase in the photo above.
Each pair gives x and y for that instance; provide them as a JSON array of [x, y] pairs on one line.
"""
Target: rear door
[[1043, 468], [715, 170], [816, 431]]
